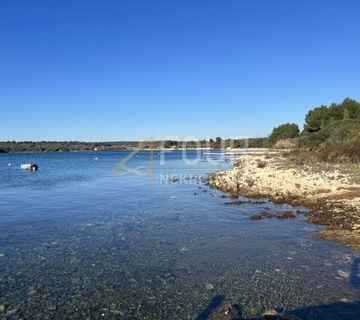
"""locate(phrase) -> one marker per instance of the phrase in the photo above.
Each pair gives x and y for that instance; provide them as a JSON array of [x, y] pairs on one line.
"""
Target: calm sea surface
[[80, 242]]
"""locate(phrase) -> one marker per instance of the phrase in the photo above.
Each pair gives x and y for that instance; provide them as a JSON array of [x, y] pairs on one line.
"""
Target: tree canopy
[[284, 131], [319, 117]]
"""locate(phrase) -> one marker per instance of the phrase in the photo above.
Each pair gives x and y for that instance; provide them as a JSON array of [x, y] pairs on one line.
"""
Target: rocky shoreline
[[332, 192]]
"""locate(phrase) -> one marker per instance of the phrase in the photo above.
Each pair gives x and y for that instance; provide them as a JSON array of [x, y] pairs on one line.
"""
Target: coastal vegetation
[[331, 133], [337, 124], [284, 131]]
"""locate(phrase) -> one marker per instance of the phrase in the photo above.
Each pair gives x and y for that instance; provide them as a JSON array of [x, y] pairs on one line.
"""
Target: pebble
[[343, 274], [2, 308], [208, 286], [270, 314], [52, 307], [253, 310]]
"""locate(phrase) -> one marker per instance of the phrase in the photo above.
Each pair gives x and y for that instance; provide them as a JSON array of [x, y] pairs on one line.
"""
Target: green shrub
[[332, 132], [319, 117], [284, 131]]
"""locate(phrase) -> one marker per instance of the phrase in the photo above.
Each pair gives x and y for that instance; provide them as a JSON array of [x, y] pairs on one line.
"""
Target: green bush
[[284, 131], [336, 132]]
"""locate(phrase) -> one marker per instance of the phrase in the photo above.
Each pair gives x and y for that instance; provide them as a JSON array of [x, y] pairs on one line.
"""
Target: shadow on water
[[355, 273], [335, 311], [214, 304]]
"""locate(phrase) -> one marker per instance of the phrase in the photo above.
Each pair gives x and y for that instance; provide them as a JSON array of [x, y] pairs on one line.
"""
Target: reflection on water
[[77, 242]]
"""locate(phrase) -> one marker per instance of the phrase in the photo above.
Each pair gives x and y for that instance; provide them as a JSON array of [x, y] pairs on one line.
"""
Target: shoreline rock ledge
[[332, 192]]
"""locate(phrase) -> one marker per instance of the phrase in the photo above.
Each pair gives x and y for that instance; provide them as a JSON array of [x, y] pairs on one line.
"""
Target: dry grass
[[314, 160], [340, 153], [347, 195]]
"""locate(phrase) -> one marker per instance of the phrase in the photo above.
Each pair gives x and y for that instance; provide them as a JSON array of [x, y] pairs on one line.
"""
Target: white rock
[[343, 274]]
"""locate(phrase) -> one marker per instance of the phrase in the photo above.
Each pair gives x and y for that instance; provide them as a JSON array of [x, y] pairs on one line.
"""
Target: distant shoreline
[[104, 150], [77, 146]]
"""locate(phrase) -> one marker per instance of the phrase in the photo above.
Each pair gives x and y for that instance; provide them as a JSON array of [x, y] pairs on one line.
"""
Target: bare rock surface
[[333, 194]]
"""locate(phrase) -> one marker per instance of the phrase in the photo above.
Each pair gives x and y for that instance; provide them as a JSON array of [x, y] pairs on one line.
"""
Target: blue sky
[[124, 70]]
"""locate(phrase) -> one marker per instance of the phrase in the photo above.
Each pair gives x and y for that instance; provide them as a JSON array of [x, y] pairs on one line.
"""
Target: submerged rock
[[343, 274], [223, 312], [348, 238], [271, 314], [265, 215], [255, 217], [286, 215], [209, 286], [239, 202]]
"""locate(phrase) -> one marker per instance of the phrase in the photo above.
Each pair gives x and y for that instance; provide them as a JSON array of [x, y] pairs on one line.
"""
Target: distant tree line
[[64, 146], [59, 146], [335, 127], [218, 143]]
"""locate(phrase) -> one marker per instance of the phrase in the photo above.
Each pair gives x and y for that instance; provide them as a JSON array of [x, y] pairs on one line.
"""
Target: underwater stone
[[209, 286], [343, 274]]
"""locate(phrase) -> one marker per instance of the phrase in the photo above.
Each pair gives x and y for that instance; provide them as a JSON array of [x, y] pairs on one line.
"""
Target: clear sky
[[124, 70]]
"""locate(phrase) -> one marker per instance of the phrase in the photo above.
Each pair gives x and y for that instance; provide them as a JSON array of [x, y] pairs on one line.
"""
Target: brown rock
[[223, 312], [286, 215], [255, 217], [267, 215], [271, 314]]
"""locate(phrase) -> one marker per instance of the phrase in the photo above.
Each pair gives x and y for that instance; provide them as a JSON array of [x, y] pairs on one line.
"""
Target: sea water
[[121, 235]]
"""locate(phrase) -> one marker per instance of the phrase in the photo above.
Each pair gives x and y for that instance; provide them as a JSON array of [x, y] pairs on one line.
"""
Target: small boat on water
[[29, 166]]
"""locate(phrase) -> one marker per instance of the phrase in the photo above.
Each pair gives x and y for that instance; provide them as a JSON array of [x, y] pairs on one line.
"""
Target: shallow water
[[78, 242]]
